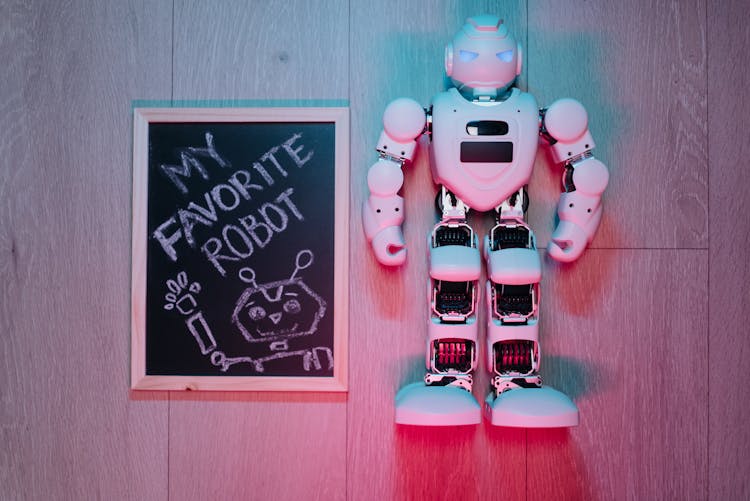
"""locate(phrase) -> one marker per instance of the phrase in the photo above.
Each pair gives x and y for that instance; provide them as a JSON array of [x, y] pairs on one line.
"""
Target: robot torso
[[483, 152]]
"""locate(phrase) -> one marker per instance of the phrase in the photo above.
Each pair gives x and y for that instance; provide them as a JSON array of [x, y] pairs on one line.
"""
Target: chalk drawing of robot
[[276, 312], [272, 313]]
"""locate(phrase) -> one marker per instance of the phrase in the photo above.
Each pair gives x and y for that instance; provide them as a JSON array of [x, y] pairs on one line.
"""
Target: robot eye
[[467, 55], [505, 56], [292, 306], [256, 313]]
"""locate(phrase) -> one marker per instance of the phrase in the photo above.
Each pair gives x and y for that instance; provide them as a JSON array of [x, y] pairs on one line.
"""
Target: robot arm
[[565, 125], [383, 212]]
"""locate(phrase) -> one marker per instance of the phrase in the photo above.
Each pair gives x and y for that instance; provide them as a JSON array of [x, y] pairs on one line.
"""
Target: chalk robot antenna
[[484, 134]]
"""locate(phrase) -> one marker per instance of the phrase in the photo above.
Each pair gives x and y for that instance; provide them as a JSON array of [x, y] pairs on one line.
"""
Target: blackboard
[[240, 238]]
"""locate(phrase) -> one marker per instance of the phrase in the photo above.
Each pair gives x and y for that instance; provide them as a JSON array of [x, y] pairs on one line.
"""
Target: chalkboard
[[240, 238]]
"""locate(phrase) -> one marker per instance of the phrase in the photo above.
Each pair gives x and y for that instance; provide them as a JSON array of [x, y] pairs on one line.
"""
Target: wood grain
[[640, 70], [624, 334], [261, 50], [69, 428], [250, 446], [729, 315]]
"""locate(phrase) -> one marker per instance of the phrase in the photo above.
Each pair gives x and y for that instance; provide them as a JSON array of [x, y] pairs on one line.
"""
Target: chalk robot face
[[280, 310]]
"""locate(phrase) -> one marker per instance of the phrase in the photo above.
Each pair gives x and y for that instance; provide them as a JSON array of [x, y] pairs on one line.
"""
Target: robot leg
[[517, 397], [445, 397]]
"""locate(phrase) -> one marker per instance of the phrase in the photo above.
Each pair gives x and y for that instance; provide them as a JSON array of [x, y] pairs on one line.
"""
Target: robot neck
[[485, 94]]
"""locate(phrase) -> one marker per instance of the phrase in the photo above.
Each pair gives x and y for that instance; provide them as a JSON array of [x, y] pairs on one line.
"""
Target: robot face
[[278, 310], [484, 59], [281, 310]]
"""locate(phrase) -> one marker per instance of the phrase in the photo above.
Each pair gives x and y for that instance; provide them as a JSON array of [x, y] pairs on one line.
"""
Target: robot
[[483, 138]]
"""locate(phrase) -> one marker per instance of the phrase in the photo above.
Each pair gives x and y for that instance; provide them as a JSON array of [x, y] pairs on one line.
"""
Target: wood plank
[[729, 435], [283, 446], [625, 335], [70, 428], [246, 445], [640, 70], [402, 56], [264, 50]]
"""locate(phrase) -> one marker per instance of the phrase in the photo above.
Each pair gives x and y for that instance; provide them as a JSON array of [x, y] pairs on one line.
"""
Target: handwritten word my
[[189, 158]]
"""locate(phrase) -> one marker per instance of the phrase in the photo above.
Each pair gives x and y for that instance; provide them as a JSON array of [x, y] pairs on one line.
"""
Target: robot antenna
[[304, 260]]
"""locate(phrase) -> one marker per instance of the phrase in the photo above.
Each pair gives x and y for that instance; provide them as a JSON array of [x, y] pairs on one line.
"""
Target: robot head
[[484, 59], [280, 310]]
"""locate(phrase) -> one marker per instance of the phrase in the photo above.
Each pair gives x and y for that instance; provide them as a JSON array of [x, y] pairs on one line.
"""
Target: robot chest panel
[[483, 152]]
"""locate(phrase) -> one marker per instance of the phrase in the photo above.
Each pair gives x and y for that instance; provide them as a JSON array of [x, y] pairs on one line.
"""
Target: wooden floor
[[648, 332]]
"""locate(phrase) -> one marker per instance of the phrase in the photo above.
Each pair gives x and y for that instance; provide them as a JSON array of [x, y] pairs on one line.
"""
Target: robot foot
[[422, 405], [542, 407]]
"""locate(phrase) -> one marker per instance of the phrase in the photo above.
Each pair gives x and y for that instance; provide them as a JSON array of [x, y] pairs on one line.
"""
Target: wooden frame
[[141, 378]]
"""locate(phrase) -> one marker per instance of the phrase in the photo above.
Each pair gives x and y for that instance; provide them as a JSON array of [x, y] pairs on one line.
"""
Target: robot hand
[[579, 211], [566, 127], [383, 212]]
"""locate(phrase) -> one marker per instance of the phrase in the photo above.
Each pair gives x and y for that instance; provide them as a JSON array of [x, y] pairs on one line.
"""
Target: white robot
[[484, 134]]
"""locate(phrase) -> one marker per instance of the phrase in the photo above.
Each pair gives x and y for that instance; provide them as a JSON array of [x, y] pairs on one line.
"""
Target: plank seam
[[708, 260]]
